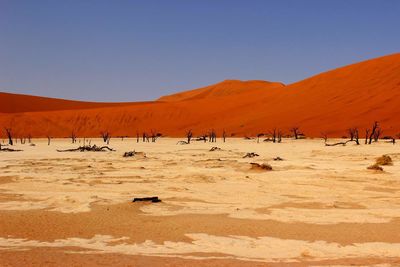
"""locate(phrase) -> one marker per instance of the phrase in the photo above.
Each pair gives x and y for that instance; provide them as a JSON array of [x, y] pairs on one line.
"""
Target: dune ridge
[[330, 102], [17, 103]]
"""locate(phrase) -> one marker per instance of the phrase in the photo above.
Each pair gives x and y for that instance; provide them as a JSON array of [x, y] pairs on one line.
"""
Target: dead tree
[[279, 136], [137, 137], [145, 137], [73, 137], [296, 132], [351, 133], [48, 140], [223, 135], [377, 134], [9, 136], [106, 137], [189, 135], [212, 136], [375, 127], [366, 135], [29, 138], [273, 134], [154, 136], [354, 136]]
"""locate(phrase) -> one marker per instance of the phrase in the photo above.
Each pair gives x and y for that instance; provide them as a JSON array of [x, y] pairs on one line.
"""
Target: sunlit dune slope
[[225, 88], [331, 102]]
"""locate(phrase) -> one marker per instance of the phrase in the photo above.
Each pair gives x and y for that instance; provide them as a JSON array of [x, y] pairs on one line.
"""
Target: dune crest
[[224, 88]]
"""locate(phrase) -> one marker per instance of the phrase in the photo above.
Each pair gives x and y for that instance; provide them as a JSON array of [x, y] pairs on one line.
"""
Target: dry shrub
[[375, 167], [384, 160], [264, 166]]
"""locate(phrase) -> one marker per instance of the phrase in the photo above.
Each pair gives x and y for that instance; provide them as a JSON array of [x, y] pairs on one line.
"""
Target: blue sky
[[139, 50]]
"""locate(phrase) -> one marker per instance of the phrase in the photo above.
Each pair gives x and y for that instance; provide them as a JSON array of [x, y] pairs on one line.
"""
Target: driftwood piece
[[250, 155], [278, 159], [149, 199], [129, 154], [214, 148], [263, 166], [93, 148], [341, 143], [9, 150], [133, 154]]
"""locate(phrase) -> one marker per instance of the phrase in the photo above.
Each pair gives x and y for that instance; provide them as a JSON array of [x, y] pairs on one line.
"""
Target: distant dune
[[14, 103], [351, 96]]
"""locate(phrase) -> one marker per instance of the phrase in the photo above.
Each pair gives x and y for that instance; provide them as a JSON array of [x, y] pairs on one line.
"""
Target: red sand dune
[[14, 103], [225, 88], [331, 102]]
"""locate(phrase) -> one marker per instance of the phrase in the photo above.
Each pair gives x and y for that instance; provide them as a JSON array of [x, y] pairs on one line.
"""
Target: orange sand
[[331, 102]]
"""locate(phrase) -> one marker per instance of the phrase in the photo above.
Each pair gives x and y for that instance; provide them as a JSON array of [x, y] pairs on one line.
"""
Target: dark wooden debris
[[93, 148], [250, 155], [145, 199]]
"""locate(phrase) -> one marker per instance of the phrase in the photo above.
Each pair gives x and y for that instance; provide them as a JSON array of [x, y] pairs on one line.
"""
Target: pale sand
[[319, 206]]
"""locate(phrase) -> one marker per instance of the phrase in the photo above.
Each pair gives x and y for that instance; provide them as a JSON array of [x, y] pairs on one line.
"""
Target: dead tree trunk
[[48, 140], [137, 137], [154, 136], [366, 135], [377, 134], [273, 133], [189, 135], [375, 127], [73, 137], [295, 131], [325, 137], [9, 136], [354, 136], [280, 136], [223, 135], [351, 134], [213, 136], [106, 137]]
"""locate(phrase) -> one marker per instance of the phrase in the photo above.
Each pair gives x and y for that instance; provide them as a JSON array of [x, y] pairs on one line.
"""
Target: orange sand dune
[[14, 103], [331, 102], [225, 88]]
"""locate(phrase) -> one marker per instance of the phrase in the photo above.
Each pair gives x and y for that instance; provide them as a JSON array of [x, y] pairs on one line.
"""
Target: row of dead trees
[[372, 134], [276, 135], [211, 136], [146, 137]]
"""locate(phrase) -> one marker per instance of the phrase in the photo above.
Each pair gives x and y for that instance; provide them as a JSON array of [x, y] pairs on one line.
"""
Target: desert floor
[[318, 206]]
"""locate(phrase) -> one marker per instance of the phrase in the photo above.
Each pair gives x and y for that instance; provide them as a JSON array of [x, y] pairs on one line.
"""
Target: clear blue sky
[[139, 50]]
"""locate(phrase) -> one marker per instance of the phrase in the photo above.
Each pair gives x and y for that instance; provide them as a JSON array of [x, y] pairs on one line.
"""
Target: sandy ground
[[318, 206]]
